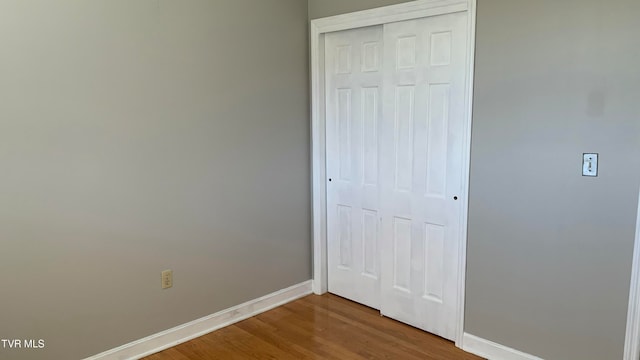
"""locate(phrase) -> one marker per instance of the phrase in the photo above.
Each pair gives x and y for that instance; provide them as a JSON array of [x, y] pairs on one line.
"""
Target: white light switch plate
[[590, 164]]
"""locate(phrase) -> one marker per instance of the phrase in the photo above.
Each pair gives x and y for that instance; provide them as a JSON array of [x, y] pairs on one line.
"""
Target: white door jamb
[[632, 341]]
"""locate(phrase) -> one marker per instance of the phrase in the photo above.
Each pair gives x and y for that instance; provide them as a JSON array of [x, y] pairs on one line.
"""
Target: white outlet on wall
[[167, 279]]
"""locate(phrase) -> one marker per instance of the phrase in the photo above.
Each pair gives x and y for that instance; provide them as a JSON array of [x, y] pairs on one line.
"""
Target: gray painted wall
[[324, 8], [549, 254], [160, 143], [137, 136]]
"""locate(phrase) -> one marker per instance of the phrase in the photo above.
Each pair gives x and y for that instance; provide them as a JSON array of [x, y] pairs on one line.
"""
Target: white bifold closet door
[[395, 114]]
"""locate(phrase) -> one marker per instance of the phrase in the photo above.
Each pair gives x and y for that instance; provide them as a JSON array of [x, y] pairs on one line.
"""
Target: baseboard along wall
[[191, 330]]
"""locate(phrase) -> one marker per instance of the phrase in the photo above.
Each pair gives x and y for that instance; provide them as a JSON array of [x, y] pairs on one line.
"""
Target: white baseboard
[[191, 330], [492, 351]]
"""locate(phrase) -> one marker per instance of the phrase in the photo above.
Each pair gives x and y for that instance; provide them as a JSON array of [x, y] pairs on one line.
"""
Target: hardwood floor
[[317, 327]]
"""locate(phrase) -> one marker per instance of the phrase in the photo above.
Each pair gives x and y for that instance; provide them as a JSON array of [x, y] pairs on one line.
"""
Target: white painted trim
[[462, 256], [493, 351], [632, 340], [406, 11], [318, 163], [388, 14], [191, 330]]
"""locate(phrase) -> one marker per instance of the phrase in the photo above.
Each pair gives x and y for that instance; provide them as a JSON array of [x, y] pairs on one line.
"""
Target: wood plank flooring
[[317, 327]]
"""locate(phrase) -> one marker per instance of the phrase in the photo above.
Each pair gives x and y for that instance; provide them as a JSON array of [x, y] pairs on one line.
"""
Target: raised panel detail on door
[[403, 137], [402, 254], [440, 48], [343, 117], [437, 126], [406, 52], [353, 80], [434, 258], [344, 236], [370, 255], [421, 170], [371, 56], [370, 117], [343, 59]]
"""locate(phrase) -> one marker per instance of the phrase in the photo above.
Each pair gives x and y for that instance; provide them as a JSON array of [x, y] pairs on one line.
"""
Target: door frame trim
[[632, 338], [379, 16]]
